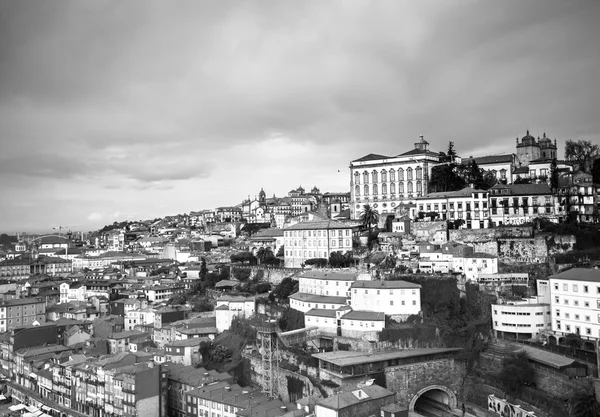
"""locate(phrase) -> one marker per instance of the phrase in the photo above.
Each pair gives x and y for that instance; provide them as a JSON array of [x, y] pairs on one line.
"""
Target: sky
[[128, 110]]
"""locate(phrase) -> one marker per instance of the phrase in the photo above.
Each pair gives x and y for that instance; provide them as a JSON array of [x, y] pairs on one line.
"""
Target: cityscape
[[257, 211]]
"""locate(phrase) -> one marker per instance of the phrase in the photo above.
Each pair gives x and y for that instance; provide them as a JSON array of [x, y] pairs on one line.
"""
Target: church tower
[[527, 150]]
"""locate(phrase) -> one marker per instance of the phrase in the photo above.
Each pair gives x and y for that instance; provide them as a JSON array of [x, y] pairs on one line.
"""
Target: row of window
[[307, 254], [575, 316], [317, 233], [520, 202], [451, 205], [575, 288], [316, 243], [413, 292], [344, 322], [374, 176], [575, 302], [507, 211], [588, 331], [392, 188]]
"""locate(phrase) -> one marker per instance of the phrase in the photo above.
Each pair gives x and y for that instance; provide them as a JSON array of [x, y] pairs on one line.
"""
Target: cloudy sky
[[114, 110]]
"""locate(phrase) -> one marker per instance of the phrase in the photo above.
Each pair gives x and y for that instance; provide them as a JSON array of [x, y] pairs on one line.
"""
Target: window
[[565, 287], [409, 174], [366, 190], [585, 288], [575, 287], [365, 177], [392, 175], [568, 327], [374, 176]]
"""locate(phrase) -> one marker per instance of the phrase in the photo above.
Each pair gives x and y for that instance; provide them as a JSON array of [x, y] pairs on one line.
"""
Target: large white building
[[575, 302], [468, 204], [456, 258], [315, 239], [394, 298], [326, 283], [384, 182]]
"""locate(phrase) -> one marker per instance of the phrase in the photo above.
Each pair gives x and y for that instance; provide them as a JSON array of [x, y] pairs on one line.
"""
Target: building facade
[[384, 182]]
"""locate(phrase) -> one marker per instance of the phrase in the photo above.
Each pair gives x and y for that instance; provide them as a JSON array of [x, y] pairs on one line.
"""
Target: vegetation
[[515, 372], [583, 153], [339, 260], [243, 257], [291, 320], [553, 175], [584, 404], [265, 256], [369, 217], [318, 262], [285, 288]]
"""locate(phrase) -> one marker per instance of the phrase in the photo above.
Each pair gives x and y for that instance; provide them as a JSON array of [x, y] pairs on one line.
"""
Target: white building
[[325, 319], [500, 165], [326, 283], [362, 324], [304, 302], [315, 239], [474, 264], [75, 291], [138, 317], [522, 319], [395, 298], [230, 306], [468, 204], [454, 257], [384, 182], [574, 302]]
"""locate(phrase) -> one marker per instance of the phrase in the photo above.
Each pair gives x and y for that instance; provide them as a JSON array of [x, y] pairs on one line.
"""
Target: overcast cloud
[[113, 110]]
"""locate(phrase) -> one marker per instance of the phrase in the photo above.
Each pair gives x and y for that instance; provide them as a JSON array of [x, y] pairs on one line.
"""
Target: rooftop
[[579, 274], [348, 358], [349, 398], [321, 312], [318, 225], [364, 315], [332, 276], [385, 284], [313, 298]]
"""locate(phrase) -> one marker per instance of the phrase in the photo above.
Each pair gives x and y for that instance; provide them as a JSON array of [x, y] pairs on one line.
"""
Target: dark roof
[[385, 284], [419, 152], [347, 358], [370, 157], [491, 159], [318, 225], [579, 274], [523, 189], [521, 170], [333, 276], [321, 312], [364, 315], [313, 298], [465, 192], [350, 398]]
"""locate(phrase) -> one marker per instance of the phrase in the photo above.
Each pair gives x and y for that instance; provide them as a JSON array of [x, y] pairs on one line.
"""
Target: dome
[[527, 139], [262, 193]]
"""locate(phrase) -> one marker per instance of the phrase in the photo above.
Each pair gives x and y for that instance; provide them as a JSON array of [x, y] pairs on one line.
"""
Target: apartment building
[[186, 352], [468, 204], [74, 291], [315, 239], [230, 306], [575, 302], [394, 298], [521, 203], [326, 283], [304, 302], [26, 265], [21, 312], [227, 400]]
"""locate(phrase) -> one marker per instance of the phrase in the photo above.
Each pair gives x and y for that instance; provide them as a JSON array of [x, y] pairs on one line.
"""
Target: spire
[[527, 132]]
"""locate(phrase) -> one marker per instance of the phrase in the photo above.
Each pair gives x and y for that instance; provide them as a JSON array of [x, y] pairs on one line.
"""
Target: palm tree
[[264, 254], [584, 404], [368, 217]]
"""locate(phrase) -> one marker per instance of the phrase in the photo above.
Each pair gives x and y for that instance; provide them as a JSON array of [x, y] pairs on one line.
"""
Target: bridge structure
[[299, 336]]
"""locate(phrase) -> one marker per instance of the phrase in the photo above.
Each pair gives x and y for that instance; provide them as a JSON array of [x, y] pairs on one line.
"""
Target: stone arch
[[587, 345], [449, 397], [552, 340]]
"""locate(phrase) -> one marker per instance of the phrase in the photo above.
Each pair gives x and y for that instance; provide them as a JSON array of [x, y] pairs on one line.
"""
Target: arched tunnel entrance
[[433, 401]]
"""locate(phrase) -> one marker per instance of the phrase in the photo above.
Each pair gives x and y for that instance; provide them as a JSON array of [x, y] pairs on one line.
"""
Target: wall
[[430, 231], [486, 235], [527, 250], [408, 380], [271, 275]]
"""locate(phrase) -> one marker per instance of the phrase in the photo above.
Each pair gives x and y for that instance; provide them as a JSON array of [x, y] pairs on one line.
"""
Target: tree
[[203, 269], [445, 178], [522, 180], [583, 153], [553, 175], [516, 371], [584, 404], [265, 255], [369, 217], [285, 288], [280, 251], [596, 171], [243, 257]]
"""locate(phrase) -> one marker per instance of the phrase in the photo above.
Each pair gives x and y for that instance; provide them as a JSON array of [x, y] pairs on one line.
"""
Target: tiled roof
[[364, 315], [321, 312], [385, 284], [579, 274], [465, 192], [346, 358], [332, 276], [196, 341], [523, 189], [348, 398], [491, 159], [313, 298], [371, 157], [318, 225], [419, 152]]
